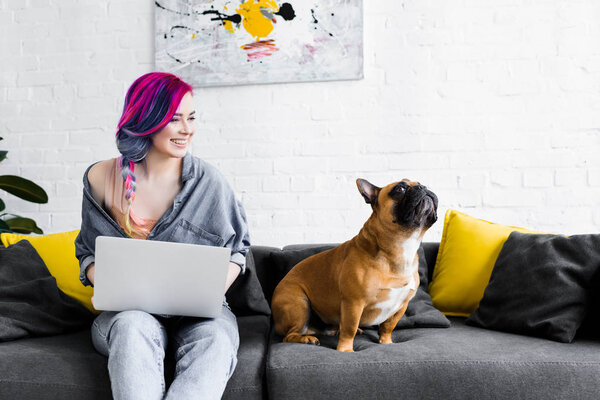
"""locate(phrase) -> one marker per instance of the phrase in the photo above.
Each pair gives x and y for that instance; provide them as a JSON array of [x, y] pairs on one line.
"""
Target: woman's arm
[[85, 241], [232, 273], [89, 272], [96, 178]]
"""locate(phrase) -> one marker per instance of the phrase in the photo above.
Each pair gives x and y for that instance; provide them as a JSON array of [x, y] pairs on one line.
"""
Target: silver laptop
[[159, 277]]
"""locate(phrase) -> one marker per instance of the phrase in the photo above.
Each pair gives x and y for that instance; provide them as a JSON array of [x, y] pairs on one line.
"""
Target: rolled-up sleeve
[[85, 243], [239, 243], [83, 266]]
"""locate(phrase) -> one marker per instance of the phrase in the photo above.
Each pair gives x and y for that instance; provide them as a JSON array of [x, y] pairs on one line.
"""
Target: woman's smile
[[179, 142]]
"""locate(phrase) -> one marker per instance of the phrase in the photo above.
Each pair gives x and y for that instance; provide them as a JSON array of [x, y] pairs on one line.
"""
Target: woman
[[156, 190]]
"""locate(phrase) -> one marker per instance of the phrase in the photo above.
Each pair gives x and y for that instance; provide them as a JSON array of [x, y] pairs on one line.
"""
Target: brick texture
[[495, 105]]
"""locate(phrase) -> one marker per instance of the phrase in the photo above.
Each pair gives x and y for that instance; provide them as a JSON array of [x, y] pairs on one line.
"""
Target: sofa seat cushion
[[246, 383], [54, 367], [459, 362]]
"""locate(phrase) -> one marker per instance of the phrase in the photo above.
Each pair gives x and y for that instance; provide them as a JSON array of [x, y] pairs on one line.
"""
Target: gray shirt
[[205, 211]]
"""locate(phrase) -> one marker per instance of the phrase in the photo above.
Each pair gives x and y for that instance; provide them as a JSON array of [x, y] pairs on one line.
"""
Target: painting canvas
[[233, 42]]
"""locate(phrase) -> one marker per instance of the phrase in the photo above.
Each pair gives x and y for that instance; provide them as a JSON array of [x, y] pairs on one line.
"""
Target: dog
[[365, 281]]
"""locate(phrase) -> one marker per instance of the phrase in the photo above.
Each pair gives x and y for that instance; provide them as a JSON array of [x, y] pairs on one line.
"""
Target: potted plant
[[26, 190]]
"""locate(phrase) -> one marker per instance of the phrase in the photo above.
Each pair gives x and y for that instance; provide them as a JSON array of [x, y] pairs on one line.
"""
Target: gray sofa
[[460, 362]]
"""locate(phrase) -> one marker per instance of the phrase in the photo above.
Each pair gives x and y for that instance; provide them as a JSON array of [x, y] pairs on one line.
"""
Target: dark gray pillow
[[540, 285], [420, 312], [30, 302], [590, 327], [245, 295]]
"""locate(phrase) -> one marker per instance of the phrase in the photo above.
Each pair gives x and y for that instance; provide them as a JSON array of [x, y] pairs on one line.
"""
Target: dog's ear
[[368, 191]]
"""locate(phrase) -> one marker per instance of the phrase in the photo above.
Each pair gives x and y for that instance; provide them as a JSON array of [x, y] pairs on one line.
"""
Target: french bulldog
[[365, 281]]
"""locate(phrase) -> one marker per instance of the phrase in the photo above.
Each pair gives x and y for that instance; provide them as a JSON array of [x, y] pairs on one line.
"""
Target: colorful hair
[[150, 104]]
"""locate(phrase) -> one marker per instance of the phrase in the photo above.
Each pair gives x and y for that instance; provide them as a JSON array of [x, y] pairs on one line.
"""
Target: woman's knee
[[134, 325], [208, 336]]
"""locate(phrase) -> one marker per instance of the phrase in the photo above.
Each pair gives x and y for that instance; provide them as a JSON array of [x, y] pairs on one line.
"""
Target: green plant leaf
[[23, 225], [2, 205], [23, 188], [4, 225], [3, 154]]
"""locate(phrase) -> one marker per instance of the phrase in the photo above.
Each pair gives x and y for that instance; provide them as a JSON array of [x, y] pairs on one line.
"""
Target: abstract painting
[[234, 42]]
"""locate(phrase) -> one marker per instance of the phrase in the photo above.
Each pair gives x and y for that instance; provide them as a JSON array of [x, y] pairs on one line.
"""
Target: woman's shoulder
[[97, 176], [97, 171], [211, 173]]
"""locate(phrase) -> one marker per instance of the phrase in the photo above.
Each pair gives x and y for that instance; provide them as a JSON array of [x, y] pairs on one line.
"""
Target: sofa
[[458, 362]]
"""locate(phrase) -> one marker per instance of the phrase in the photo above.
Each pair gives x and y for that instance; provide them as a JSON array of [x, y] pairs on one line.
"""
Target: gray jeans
[[135, 343]]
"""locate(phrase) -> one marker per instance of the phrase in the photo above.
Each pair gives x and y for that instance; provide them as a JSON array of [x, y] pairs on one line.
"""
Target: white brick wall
[[493, 104]]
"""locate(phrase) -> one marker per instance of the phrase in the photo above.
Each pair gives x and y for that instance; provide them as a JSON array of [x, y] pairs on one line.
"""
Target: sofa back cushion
[[246, 295], [540, 285]]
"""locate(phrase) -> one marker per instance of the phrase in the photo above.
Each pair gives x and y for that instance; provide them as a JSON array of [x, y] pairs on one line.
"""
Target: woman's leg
[[135, 344], [205, 355]]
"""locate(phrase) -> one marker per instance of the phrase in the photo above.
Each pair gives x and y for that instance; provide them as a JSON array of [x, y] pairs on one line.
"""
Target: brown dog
[[365, 281]]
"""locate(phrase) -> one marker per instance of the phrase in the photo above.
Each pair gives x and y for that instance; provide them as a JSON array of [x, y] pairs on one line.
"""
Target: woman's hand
[[232, 273], [89, 272]]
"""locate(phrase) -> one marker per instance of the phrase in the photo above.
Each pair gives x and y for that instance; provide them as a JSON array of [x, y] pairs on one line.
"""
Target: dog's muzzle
[[417, 208]]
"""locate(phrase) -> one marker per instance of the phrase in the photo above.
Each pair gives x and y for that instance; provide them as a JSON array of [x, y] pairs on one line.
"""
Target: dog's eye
[[399, 189]]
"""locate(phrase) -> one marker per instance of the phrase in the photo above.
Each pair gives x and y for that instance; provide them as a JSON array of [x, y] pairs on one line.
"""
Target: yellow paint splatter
[[255, 23], [229, 26]]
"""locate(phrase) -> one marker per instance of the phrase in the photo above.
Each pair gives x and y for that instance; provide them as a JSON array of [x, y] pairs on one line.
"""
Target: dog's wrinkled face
[[406, 203]]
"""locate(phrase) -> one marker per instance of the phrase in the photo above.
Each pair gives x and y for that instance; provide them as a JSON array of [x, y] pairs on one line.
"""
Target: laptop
[[159, 277]]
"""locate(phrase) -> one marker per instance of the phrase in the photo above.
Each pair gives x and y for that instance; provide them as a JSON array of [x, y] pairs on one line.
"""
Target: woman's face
[[175, 137]]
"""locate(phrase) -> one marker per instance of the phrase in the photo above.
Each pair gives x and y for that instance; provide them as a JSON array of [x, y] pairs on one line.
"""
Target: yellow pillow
[[58, 252], [467, 254]]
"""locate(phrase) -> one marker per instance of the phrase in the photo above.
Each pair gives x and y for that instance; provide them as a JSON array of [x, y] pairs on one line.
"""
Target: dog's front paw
[[387, 339], [309, 340], [297, 338], [347, 346]]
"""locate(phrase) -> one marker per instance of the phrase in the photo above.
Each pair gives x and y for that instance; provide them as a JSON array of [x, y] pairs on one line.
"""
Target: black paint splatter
[[181, 27], [220, 17], [174, 58], [235, 18], [286, 11], [167, 9], [174, 27], [316, 21]]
